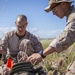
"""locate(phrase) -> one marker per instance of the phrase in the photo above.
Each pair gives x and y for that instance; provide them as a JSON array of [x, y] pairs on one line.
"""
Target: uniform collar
[[70, 11]]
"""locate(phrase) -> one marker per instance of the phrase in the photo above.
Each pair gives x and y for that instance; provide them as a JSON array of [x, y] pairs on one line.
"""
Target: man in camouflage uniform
[[20, 40], [60, 8]]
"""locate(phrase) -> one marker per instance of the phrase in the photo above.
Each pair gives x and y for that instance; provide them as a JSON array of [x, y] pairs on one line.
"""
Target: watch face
[[41, 53]]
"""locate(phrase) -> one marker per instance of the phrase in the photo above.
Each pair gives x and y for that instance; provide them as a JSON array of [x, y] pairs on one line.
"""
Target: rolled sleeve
[[37, 45], [56, 45], [65, 39]]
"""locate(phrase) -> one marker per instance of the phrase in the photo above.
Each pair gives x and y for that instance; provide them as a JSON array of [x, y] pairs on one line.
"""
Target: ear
[[15, 23], [27, 24]]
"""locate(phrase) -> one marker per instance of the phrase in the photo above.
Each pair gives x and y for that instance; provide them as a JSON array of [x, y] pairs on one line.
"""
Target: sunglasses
[[19, 26], [53, 9], [56, 5]]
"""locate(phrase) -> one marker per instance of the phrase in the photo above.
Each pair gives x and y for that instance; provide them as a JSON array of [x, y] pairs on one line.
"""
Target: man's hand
[[22, 56], [34, 58]]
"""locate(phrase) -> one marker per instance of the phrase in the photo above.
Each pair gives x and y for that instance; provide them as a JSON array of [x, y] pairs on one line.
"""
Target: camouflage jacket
[[67, 37], [11, 41]]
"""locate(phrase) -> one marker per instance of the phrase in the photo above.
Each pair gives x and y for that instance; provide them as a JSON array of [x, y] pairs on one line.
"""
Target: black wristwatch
[[41, 53]]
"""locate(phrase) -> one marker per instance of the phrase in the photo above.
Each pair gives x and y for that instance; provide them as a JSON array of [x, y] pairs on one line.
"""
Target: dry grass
[[68, 56]]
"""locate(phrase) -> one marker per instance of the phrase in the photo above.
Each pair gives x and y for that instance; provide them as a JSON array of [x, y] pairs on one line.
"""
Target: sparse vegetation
[[46, 42], [51, 61], [68, 55]]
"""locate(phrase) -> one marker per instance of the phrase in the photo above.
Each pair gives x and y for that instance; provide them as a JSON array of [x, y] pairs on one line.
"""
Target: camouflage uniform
[[67, 37], [19, 48], [29, 43]]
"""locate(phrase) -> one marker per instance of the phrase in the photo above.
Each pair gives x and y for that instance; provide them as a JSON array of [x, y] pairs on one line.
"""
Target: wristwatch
[[41, 53]]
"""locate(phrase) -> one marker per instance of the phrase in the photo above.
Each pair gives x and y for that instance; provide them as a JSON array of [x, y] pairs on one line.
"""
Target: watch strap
[[41, 53]]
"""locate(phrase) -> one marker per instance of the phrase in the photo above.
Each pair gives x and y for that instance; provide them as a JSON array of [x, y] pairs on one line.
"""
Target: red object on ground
[[9, 63]]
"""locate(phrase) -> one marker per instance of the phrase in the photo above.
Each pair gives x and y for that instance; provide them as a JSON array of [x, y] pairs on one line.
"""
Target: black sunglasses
[[19, 26], [56, 5]]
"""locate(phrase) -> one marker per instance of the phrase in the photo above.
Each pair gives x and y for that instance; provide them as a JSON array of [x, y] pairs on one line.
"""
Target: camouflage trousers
[[25, 50], [26, 46]]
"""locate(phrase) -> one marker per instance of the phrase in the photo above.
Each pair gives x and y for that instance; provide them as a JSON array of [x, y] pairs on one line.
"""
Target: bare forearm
[[48, 51], [39, 56]]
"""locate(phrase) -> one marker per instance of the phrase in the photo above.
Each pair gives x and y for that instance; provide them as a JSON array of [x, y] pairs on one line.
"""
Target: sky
[[40, 23]]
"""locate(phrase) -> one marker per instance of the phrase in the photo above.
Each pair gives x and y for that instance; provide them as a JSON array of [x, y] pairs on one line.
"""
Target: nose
[[53, 13]]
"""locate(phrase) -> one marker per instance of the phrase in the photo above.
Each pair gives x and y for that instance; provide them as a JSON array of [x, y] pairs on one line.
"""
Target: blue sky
[[40, 23]]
